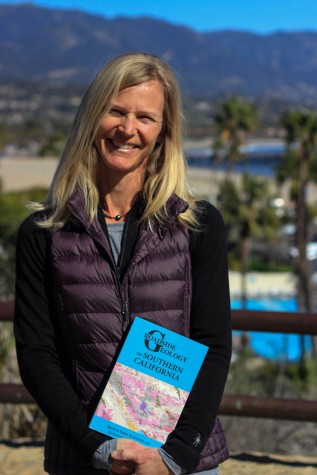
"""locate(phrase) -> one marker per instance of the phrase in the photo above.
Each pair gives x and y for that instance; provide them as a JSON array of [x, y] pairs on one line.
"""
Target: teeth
[[123, 146], [126, 147]]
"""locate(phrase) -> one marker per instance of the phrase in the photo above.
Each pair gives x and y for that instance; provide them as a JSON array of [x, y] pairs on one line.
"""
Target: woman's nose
[[128, 124]]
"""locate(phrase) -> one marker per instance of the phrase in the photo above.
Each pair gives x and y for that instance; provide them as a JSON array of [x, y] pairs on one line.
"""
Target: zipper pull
[[124, 309]]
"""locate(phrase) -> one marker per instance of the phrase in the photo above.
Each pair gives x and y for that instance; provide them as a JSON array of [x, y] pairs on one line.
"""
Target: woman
[[121, 235]]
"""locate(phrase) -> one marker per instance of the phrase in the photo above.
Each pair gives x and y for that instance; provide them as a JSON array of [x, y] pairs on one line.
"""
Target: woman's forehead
[[148, 95]]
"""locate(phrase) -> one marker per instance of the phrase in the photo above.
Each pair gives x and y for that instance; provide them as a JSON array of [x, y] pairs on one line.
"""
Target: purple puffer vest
[[91, 301]]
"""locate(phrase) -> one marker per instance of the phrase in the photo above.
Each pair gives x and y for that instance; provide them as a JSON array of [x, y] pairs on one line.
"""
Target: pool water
[[274, 345]]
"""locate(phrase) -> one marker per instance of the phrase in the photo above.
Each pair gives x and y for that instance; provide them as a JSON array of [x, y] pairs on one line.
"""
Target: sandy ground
[[26, 459]]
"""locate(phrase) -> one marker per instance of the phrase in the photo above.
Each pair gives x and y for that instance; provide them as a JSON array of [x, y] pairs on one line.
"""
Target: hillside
[[68, 46]]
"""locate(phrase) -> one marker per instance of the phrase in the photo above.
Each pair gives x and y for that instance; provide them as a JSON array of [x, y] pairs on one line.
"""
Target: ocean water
[[274, 346], [262, 167], [259, 159]]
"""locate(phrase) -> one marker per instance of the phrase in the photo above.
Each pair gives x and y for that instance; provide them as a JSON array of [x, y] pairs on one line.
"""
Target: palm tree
[[241, 207], [300, 164], [233, 121]]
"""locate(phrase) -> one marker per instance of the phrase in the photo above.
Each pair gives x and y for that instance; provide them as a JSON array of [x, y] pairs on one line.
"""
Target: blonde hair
[[166, 169]]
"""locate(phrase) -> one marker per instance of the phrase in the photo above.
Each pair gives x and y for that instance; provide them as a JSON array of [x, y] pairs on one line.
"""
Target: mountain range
[[69, 46]]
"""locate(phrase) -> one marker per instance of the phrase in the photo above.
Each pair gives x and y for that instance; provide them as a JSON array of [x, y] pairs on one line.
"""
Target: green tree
[[20, 420], [241, 207], [4, 135], [300, 165], [54, 145], [12, 212], [233, 121], [271, 221]]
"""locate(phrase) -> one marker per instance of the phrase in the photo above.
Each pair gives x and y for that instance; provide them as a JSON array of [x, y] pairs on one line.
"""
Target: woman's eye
[[116, 113], [146, 119]]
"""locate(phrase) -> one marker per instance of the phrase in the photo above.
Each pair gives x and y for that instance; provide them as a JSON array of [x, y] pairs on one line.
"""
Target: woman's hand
[[139, 460], [128, 444], [124, 467]]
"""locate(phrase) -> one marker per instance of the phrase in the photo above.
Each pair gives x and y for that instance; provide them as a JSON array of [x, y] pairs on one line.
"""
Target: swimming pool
[[274, 345]]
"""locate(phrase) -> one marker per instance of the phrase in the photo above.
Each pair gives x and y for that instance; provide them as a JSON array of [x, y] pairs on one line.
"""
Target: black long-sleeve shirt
[[36, 338]]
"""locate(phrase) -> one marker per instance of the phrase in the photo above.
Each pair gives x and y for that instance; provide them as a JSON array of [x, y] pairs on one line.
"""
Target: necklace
[[117, 217]]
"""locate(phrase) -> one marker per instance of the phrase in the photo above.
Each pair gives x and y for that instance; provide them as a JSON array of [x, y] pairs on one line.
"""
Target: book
[[149, 384]]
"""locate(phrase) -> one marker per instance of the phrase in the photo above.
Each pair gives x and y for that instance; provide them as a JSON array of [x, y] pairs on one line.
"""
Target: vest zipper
[[124, 303], [124, 309], [117, 269]]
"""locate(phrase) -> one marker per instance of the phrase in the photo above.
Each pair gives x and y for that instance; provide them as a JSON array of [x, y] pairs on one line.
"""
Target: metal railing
[[234, 405]]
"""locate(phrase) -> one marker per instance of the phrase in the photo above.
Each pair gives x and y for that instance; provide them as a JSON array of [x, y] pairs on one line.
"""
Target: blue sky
[[262, 16]]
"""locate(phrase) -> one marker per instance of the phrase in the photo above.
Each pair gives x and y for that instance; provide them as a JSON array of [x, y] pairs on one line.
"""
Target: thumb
[[124, 454]]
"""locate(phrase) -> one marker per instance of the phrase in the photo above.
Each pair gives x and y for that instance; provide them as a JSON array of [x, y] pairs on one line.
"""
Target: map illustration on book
[[149, 384]]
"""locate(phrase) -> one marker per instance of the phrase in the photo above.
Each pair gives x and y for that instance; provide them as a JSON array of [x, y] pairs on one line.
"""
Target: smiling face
[[128, 133]]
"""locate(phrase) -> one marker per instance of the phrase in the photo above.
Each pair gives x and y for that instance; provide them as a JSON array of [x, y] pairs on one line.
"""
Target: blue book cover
[[149, 384]]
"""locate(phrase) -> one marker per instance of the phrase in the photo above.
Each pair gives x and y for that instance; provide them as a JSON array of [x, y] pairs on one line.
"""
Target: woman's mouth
[[120, 145]]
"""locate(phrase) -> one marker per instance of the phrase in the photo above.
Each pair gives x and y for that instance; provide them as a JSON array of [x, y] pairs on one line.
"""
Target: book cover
[[149, 384]]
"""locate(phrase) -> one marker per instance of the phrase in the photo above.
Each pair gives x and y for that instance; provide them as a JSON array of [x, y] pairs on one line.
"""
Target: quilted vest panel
[[156, 285]]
